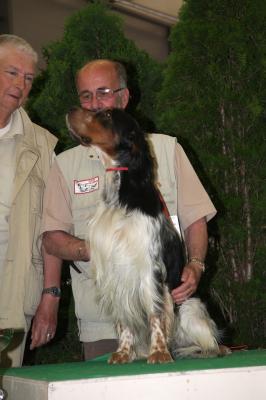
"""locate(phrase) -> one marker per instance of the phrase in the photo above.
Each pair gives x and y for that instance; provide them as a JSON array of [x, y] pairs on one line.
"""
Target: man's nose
[[95, 103], [20, 81]]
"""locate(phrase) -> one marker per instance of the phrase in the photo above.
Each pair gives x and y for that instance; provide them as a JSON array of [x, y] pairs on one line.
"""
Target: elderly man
[[67, 210], [26, 153]]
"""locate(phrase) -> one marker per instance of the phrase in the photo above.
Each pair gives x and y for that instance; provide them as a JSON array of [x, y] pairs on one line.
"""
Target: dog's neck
[[129, 182]]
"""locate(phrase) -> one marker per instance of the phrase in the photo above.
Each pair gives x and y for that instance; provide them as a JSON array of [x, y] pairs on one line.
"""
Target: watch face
[[54, 291]]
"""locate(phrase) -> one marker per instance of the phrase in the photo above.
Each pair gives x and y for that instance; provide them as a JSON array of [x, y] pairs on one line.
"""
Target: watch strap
[[54, 291]]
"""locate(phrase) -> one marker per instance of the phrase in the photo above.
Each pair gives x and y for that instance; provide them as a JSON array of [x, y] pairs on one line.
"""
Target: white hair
[[20, 44]]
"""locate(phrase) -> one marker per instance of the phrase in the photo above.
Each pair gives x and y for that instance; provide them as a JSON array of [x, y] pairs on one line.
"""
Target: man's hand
[[196, 238], [45, 321], [190, 279]]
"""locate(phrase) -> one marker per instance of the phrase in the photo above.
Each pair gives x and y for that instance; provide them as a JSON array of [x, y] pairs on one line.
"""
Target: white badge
[[86, 185]]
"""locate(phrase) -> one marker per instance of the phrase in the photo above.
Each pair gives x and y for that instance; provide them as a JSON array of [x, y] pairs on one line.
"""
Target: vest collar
[[27, 153]]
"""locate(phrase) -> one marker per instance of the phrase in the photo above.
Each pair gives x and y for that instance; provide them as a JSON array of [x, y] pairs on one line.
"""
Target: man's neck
[[4, 119]]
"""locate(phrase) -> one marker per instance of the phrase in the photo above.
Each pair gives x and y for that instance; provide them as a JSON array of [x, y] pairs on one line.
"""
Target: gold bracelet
[[196, 260]]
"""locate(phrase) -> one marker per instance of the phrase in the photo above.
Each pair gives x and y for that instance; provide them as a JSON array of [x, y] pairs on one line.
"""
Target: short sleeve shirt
[[177, 180]]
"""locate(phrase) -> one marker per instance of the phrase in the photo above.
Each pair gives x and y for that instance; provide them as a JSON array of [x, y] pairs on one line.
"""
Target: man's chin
[[10, 108]]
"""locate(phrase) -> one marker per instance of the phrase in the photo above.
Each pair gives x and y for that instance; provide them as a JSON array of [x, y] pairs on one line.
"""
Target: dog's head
[[91, 129], [113, 131]]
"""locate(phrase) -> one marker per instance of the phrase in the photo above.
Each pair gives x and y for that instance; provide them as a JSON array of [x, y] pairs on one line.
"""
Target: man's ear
[[124, 98]]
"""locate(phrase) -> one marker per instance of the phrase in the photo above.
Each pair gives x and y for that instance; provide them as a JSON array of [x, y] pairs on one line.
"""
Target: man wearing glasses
[[72, 194]]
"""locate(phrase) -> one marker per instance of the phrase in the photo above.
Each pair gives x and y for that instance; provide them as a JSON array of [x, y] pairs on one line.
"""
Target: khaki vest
[[21, 278]]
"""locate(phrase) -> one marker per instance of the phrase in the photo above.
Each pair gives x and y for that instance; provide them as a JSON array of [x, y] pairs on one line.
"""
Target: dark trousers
[[99, 348]]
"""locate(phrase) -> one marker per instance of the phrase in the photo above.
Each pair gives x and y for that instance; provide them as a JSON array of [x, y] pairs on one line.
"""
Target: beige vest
[[21, 277]]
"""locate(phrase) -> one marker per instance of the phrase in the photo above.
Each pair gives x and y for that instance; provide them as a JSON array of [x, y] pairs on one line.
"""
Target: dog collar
[[116, 169]]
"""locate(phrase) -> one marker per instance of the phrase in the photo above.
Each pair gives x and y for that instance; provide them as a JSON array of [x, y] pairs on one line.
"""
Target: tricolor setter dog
[[136, 253]]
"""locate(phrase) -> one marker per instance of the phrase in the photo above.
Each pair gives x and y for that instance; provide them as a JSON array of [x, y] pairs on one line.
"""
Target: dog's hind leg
[[159, 352], [125, 352]]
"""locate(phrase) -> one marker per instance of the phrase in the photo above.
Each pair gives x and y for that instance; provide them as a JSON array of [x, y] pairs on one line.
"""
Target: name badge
[[86, 185]]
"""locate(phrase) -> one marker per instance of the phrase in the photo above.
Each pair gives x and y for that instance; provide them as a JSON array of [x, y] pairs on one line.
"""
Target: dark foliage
[[213, 99]]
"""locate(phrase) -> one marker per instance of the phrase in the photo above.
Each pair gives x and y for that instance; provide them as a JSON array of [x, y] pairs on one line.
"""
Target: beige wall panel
[[41, 21], [148, 36], [170, 7]]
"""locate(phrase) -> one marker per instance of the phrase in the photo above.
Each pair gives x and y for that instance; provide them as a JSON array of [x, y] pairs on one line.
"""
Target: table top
[[99, 368]]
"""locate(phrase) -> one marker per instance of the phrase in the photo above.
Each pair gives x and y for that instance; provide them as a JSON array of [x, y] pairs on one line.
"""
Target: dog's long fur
[[136, 253]]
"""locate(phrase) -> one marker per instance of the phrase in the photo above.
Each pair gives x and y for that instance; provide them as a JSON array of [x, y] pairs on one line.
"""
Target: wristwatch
[[54, 291]]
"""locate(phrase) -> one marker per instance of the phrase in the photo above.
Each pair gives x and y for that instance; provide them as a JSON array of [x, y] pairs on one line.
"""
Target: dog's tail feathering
[[196, 333]]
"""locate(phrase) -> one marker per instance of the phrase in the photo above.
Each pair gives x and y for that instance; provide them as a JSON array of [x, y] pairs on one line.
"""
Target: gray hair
[[19, 44], [121, 73]]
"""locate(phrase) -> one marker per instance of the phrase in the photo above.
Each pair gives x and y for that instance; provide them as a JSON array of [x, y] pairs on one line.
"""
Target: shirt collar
[[14, 127]]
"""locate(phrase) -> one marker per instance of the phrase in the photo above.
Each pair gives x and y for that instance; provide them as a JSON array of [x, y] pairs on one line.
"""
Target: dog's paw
[[159, 357], [224, 350], [120, 357]]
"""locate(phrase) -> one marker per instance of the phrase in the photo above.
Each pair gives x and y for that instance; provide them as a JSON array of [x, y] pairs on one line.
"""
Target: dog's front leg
[[159, 352], [125, 353]]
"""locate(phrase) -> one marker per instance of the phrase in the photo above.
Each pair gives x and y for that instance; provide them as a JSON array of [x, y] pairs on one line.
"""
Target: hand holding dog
[[190, 279], [196, 239]]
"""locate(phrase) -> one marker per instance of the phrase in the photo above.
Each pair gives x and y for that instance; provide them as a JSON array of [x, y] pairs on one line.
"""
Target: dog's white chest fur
[[125, 253]]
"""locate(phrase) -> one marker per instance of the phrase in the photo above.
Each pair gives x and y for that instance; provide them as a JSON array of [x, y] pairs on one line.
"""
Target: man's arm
[[196, 238], [65, 246], [56, 247], [45, 319]]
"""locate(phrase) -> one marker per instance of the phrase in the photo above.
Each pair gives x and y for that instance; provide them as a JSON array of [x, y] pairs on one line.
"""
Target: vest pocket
[[36, 199], [81, 217], [37, 189]]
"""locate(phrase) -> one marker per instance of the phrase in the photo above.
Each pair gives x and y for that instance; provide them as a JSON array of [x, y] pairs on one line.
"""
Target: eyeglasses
[[100, 94], [13, 74]]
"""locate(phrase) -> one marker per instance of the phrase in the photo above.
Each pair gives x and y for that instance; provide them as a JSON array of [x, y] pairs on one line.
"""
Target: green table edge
[[99, 368]]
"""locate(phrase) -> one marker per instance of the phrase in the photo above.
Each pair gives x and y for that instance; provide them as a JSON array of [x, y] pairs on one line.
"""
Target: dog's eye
[[108, 114]]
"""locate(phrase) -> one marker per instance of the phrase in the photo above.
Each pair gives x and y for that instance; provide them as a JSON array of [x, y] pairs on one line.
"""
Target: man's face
[[17, 70], [93, 80]]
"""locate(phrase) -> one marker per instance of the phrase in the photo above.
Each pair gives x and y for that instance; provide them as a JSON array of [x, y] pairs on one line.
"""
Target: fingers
[[182, 293], [45, 322], [190, 279], [41, 336]]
